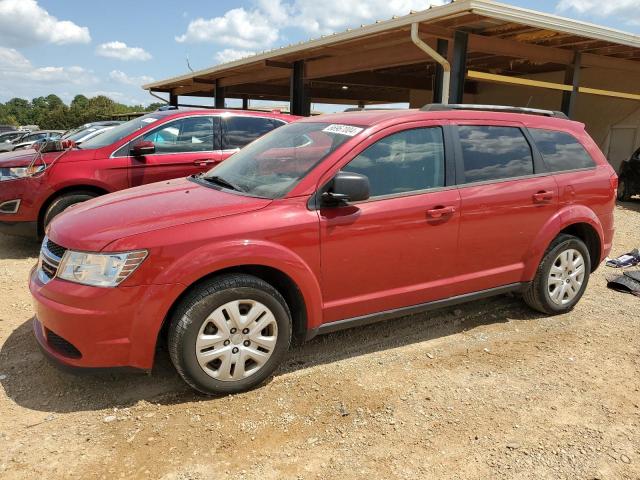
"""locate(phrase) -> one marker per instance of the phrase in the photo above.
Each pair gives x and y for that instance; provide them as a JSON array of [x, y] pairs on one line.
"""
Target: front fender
[[566, 216], [208, 259]]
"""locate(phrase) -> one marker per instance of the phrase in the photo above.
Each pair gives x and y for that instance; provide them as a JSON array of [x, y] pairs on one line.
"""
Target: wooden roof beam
[[542, 54], [384, 57]]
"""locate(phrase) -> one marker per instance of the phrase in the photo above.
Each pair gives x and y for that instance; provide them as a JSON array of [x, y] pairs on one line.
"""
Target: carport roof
[[379, 60]]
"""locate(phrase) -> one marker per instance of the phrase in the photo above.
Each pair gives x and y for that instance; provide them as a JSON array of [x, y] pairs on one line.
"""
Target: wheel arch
[[577, 220], [589, 235], [281, 281], [76, 188]]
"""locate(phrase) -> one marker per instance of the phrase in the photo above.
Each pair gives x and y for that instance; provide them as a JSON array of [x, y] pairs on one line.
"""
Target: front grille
[[56, 249], [62, 346], [50, 257]]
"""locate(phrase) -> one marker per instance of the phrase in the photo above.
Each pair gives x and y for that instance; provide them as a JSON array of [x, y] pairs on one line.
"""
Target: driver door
[[398, 248], [183, 147]]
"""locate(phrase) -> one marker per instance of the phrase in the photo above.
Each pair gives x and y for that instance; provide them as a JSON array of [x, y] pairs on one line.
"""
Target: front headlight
[[11, 173], [99, 269]]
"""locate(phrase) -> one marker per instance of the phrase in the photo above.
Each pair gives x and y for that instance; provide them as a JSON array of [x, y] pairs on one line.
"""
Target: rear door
[[184, 146], [506, 197], [398, 248]]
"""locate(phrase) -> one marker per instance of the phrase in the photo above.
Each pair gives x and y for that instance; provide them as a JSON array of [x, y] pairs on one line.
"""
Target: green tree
[[52, 112]]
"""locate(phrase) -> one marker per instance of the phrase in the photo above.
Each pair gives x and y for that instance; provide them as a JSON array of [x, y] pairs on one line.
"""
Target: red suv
[[326, 223], [159, 146]]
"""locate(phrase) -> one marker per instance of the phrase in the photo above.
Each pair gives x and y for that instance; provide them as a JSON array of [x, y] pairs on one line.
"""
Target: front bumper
[[90, 327], [30, 193]]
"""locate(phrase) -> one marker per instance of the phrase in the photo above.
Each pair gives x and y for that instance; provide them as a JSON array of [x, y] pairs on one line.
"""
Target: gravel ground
[[485, 390]]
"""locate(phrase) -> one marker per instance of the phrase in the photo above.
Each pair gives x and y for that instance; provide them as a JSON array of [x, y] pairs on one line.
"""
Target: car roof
[[372, 117]]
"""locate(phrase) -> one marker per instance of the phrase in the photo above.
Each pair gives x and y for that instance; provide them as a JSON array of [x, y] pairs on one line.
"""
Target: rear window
[[494, 153], [561, 151], [239, 131]]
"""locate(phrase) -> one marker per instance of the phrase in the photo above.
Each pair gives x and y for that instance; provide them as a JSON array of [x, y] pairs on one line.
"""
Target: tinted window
[[493, 153], [240, 131], [123, 130], [192, 134], [561, 151], [403, 162], [274, 164], [34, 137]]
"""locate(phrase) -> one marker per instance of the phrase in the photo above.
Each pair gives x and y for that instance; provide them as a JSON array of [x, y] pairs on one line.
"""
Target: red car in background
[[159, 146]]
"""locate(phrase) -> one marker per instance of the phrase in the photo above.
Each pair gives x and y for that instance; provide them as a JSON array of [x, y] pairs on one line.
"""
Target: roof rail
[[439, 107], [363, 109]]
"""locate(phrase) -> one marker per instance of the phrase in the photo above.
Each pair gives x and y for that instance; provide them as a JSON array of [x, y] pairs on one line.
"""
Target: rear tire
[[63, 202], [229, 334], [561, 278]]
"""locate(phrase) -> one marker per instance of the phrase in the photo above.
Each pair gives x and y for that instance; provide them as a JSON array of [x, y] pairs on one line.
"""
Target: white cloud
[[623, 9], [121, 77], [238, 28], [335, 15], [20, 78], [259, 28], [24, 23], [229, 55], [121, 51]]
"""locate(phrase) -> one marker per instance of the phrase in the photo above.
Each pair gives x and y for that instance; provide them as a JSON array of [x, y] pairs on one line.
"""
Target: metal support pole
[[300, 103], [245, 102], [173, 100], [458, 67], [571, 76], [442, 46], [220, 96]]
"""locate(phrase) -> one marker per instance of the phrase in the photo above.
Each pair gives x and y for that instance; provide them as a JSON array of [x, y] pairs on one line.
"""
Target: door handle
[[204, 163], [439, 212], [543, 196]]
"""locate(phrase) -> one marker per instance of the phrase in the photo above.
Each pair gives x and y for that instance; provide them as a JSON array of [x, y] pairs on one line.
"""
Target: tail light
[[613, 179]]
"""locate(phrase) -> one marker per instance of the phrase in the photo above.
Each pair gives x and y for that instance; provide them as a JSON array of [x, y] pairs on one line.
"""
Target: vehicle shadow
[[31, 381], [632, 204], [16, 248]]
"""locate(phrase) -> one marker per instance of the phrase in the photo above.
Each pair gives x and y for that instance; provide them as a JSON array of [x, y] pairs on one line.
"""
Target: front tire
[[561, 278], [229, 334], [63, 202]]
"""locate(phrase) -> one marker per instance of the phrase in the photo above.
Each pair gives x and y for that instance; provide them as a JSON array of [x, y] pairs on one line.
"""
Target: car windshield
[[272, 165], [120, 131]]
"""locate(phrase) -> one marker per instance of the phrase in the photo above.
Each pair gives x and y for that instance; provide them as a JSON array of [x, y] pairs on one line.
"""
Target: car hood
[[19, 158], [22, 158], [92, 225]]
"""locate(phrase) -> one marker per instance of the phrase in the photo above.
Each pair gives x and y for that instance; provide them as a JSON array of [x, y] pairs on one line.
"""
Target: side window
[[561, 151], [406, 161], [239, 131], [494, 153], [191, 134]]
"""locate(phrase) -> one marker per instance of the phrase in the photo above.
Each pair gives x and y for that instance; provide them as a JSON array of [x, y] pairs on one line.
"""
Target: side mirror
[[346, 187], [142, 148]]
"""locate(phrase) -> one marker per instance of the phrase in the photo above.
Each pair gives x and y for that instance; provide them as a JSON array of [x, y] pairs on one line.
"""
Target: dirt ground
[[487, 390]]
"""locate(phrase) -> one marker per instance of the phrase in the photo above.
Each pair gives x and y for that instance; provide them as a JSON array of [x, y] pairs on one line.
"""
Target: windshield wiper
[[222, 182]]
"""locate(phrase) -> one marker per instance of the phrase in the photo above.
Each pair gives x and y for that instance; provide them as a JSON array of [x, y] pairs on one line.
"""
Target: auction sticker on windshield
[[348, 130]]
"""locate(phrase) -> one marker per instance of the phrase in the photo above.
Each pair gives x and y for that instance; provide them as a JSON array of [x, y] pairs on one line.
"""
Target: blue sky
[[111, 47]]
